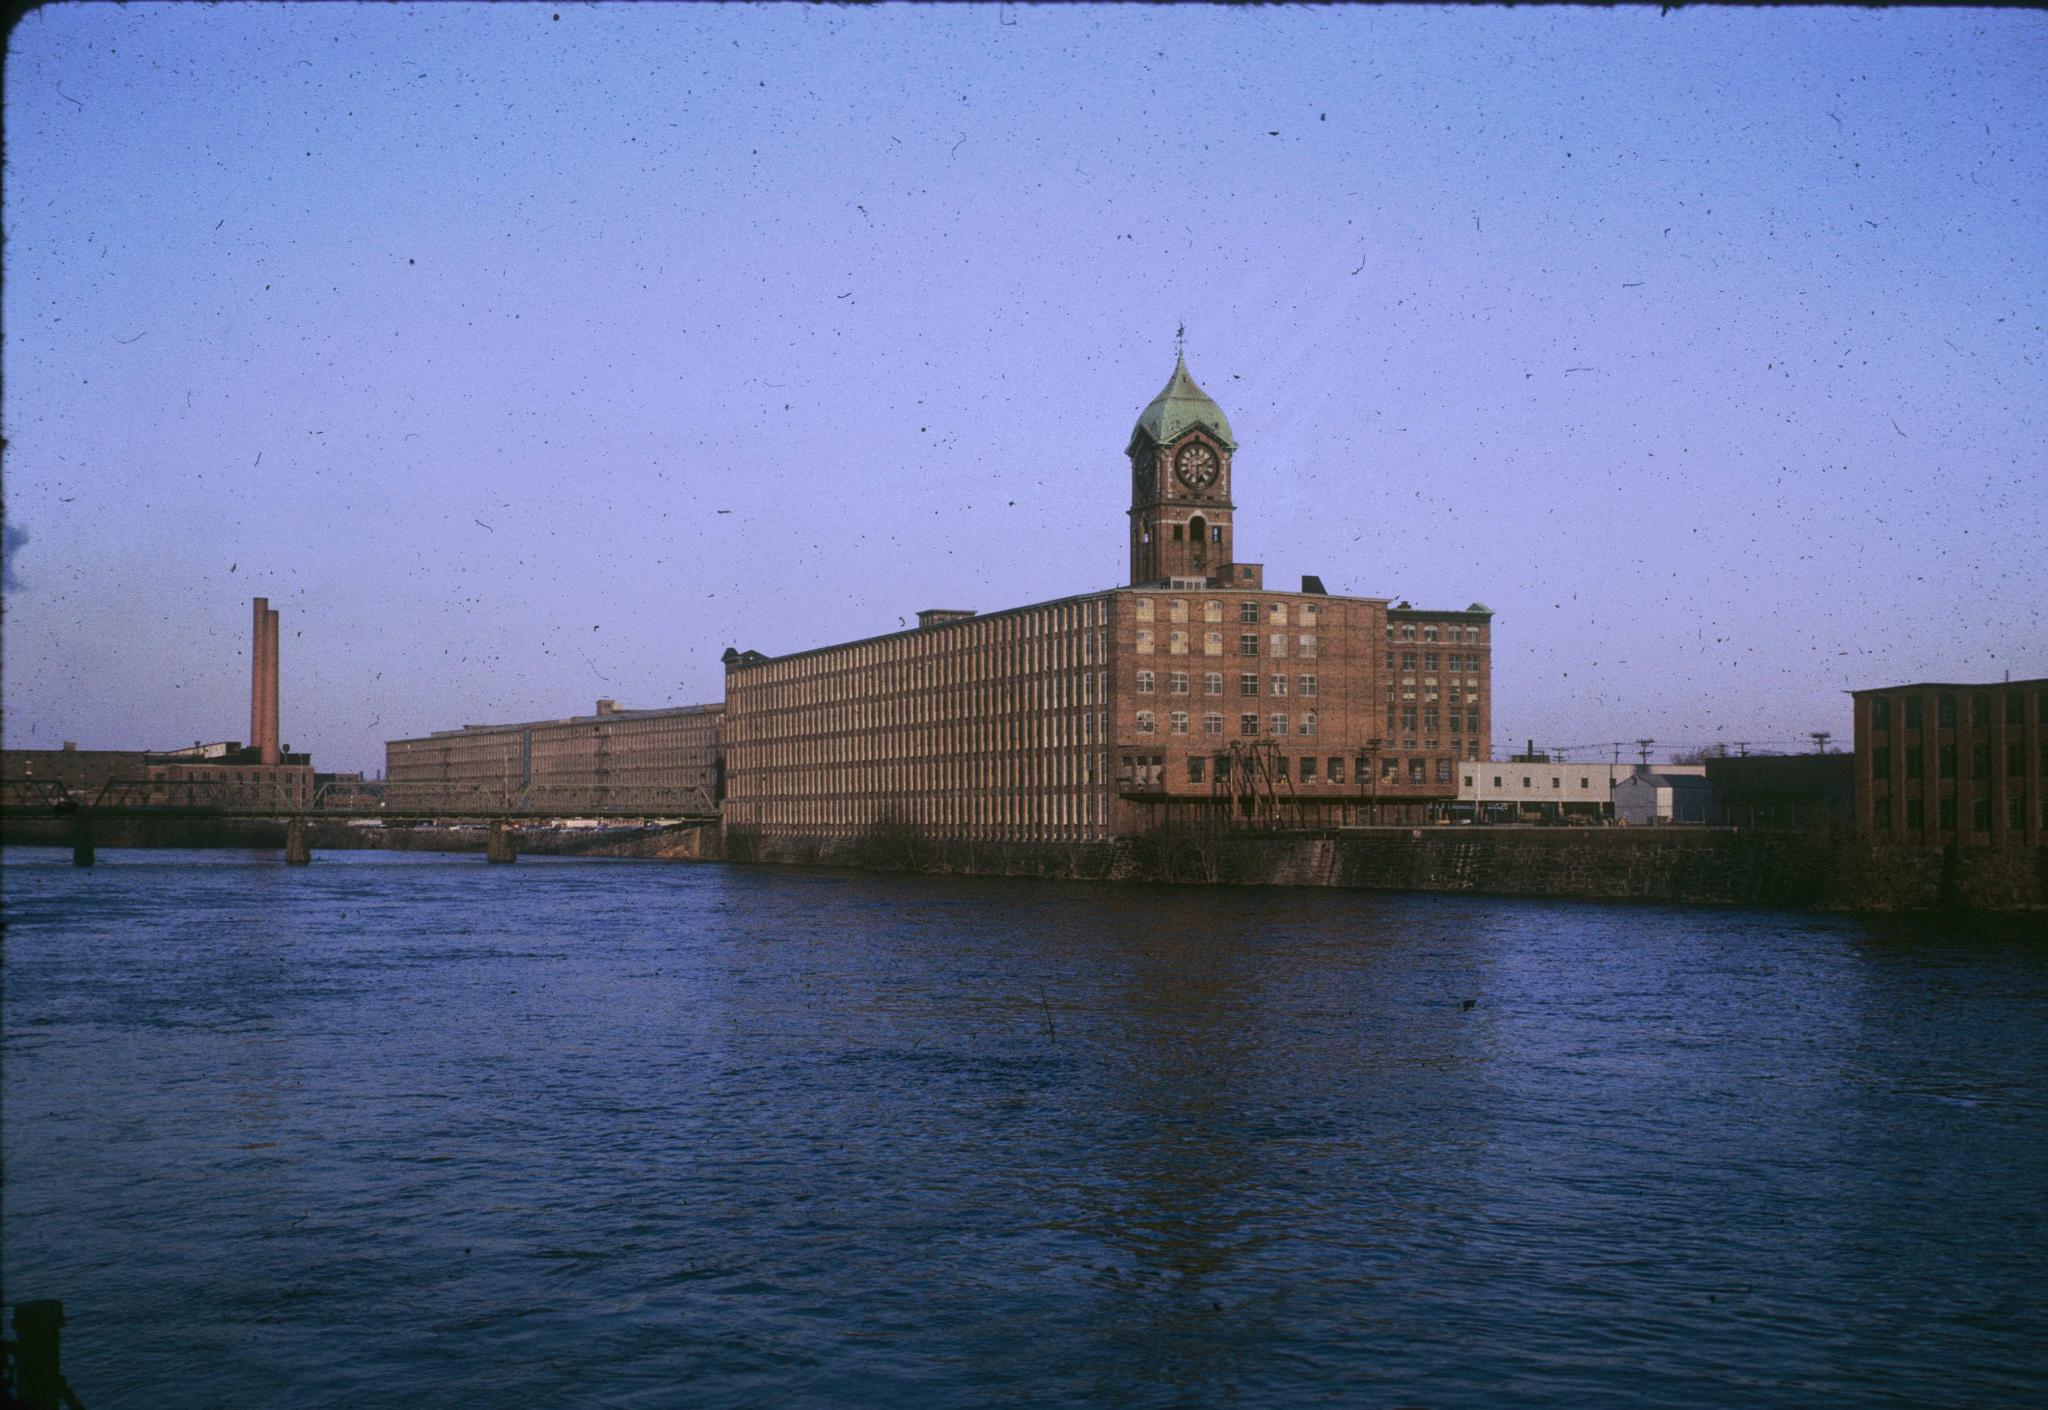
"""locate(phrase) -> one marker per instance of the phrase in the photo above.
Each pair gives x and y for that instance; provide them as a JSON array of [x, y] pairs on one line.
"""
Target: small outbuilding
[[1646, 797]]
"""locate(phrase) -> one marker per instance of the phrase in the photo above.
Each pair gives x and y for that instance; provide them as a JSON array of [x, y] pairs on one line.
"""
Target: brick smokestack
[[271, 753], [257, 675]]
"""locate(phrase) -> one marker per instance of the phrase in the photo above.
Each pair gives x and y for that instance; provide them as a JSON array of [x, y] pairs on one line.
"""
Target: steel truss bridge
[[342, 801]]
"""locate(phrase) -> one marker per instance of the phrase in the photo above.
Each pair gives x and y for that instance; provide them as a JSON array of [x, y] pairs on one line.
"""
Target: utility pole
[[1643, 748], [1820, 738]]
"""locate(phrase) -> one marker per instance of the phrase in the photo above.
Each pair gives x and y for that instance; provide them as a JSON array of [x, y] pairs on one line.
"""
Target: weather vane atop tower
[[1179, 336]]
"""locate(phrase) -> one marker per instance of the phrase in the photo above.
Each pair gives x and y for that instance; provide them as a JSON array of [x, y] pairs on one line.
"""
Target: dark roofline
[[2041, 681], [713, 707], [736, 658]]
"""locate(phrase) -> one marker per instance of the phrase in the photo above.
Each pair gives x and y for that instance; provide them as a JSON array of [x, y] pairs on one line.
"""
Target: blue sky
[[523, 356]]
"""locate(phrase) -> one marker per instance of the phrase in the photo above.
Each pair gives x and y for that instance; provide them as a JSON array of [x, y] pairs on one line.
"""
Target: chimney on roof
[[607, 707], [70, 746]]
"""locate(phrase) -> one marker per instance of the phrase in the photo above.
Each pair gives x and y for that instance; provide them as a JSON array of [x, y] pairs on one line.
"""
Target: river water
[[409, 1129]]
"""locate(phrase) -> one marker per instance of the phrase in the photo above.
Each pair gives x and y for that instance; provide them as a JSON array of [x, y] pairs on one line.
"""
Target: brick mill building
[[1195, 693], [1945, 764], [664, 760]]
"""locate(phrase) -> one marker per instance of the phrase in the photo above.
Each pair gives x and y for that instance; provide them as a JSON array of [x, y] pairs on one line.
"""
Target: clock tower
[[1180, 487]]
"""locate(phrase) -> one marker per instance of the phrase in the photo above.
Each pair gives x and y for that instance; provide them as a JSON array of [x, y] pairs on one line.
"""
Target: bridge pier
[[82, 854], [298, 847], [499, 845]]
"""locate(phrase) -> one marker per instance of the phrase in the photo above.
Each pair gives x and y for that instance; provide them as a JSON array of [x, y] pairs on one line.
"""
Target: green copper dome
[[1179, 408]]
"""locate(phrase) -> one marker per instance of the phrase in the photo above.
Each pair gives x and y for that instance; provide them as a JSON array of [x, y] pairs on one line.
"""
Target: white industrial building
[[1551, 793]]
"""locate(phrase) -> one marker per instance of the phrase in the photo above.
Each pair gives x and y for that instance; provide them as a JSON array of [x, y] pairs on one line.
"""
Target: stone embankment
[[1679, 865]]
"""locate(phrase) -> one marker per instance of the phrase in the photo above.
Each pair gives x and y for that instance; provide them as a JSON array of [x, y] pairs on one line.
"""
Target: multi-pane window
[[1336, 768], [1212, 683], [1212, 723], [1280, 766], [1144, 642], [1277, 723], [1212, 643], [1248, 613], [1980, 761], [1177, 683], [1429, 632], [1913, 712], [1309, 613], [1196, 768], [1177, 609], [1880, 712], [1418, 771], [1407, 631], [1177, 643], [1390, 660], [1247, 684], [1980, 711], [1407, 660], [1247, 724], [1144, 609], [1145, 722], [1180, 722], [1945, 714], [1248, 644], [1308, 769], [1144, 682], [1408, 719], [1308, 685], [1308, 723], [1277, 643], [1308, 644], [1212, 611], [1430, 659], [1276, 613], [2015, 708], [1279, 685]]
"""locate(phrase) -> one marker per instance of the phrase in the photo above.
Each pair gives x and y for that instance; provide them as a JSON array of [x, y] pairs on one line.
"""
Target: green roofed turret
[[1178, 409]]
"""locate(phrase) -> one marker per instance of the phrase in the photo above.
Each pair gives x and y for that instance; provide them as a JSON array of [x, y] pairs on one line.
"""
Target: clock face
[[1197, 466]]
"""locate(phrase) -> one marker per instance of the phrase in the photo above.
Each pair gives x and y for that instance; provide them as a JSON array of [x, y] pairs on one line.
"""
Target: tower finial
[[1180, 335]]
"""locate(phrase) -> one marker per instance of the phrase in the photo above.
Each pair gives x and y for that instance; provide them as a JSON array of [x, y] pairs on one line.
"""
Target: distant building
[[1945, 763], [1194, 693], [1647, 796], [81, 772], [1784, 791], [1528, 788], [656, 760]]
